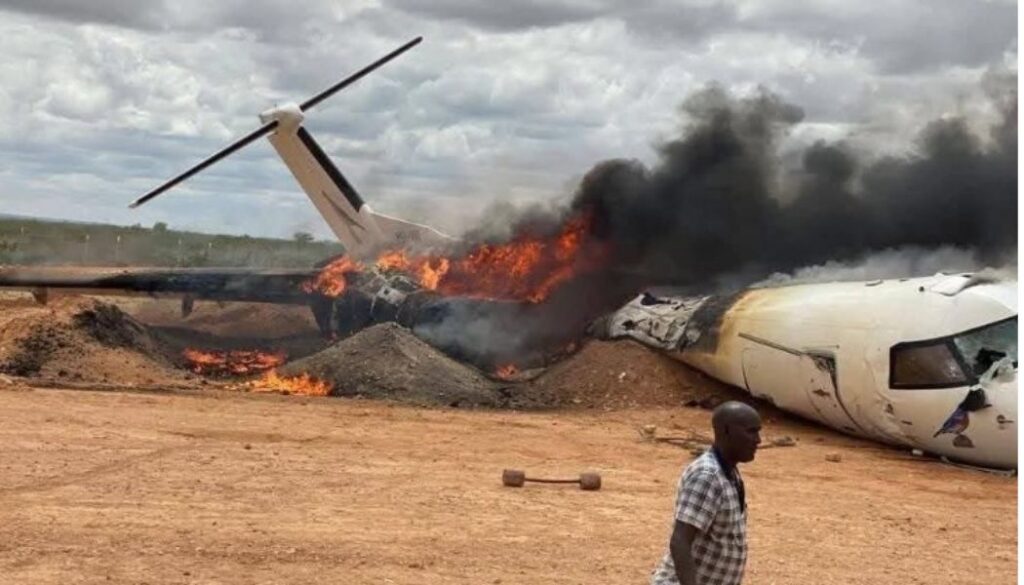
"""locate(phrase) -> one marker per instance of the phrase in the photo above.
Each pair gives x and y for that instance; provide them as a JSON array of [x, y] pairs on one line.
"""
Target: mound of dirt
[[229, 326], [622, 374], [388, 361], [84, 340], [241, 320]]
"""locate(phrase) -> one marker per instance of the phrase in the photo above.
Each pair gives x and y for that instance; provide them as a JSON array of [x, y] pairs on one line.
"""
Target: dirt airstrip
[[171, 479]]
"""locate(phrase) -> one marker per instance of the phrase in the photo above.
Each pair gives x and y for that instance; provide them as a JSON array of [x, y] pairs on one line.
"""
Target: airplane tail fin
[[362, 231]]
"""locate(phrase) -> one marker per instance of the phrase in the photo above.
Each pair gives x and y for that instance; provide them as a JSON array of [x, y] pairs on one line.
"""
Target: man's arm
[[700, 497], [679, 547]]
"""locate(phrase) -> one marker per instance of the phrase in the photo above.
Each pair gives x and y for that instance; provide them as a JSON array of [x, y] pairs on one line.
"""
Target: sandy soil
[[175, 481], [131, 487]]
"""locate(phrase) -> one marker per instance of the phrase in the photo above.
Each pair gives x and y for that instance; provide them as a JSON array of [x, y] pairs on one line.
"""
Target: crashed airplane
[[924, 363]]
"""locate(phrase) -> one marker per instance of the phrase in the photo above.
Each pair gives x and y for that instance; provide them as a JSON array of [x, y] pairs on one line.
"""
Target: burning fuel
[[303, 384], [332, 280], [526, 269], [233, 362]]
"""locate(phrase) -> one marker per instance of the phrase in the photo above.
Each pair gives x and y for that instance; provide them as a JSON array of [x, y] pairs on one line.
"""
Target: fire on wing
[[526, 269]]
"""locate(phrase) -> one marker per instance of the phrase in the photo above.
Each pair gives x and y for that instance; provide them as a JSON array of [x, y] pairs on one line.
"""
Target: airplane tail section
[[339, 204], [361, 230], [407, 234]]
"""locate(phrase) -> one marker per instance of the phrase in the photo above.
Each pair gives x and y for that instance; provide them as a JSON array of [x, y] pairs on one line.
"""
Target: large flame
[[526, 269], [234, 362]]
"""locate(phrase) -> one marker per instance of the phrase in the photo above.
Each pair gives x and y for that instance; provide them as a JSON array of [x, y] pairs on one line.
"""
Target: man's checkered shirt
[[707, 500]]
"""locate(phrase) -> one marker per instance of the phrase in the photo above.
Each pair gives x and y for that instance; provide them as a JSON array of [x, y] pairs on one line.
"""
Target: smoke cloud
[[711, 214], [905, 262], [711, 206]]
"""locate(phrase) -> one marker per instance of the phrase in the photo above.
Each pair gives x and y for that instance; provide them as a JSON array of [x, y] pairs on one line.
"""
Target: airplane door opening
[[823, 391], [768, 369]]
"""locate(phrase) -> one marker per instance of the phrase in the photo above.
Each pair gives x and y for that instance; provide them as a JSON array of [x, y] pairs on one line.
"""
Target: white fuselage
[[826, 352]]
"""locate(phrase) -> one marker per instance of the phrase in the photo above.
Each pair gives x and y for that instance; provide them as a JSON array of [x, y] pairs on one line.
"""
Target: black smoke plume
[[711, 205]]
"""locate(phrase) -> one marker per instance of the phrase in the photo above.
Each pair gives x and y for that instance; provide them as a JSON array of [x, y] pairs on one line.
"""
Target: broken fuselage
[[927, 363]]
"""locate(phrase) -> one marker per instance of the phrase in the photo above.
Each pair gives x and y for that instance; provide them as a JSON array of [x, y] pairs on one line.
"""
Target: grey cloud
[[902, 37], [688, 22], [142, 14], [911, 35], [278, 22], [503, 16], [691, 20]]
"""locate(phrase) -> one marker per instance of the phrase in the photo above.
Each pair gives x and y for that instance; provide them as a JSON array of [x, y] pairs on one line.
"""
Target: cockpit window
[[983, 347], [957, 360], [926, 366]]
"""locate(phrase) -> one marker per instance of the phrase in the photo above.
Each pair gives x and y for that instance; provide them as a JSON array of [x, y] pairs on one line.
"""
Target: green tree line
[[40, 242]]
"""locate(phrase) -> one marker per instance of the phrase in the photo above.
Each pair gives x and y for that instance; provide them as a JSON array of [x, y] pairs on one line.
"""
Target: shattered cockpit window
[[984, 347], [957, 360]]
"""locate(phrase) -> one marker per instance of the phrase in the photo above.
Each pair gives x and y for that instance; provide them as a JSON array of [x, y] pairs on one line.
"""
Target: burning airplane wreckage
[[925, 363], [521, 302]]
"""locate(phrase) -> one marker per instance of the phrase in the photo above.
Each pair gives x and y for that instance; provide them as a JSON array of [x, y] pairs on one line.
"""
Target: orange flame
[[506, 372], [332, 279], [303, 384], [526, 269], [234, 362]]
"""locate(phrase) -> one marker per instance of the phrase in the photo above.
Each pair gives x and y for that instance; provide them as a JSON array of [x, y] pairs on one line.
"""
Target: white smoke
[[905, 262]]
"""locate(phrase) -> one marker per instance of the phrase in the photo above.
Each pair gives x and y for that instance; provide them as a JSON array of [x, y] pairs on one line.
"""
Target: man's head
[[737, 431]]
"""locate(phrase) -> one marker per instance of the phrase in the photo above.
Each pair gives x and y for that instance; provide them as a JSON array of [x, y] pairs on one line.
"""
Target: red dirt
[[258, 320], [204, 486], [621, 374], [79, 339], [101, 487]]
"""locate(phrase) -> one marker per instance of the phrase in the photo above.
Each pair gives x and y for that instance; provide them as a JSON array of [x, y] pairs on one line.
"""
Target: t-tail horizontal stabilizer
[[359, 229]]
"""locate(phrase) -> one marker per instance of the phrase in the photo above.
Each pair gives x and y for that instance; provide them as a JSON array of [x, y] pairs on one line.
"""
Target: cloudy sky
[[509, 101]]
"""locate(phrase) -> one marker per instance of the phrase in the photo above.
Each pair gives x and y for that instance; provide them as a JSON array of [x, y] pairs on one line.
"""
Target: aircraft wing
[[220, 284]]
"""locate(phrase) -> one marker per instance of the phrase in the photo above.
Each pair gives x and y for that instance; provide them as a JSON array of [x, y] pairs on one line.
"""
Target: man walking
[[709, 539]]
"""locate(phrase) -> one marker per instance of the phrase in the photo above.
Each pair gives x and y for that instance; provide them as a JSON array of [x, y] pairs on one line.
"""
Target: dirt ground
[[125, 487], [184, 483]]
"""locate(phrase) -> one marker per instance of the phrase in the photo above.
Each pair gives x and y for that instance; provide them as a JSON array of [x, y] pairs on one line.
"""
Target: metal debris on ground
[[698, 443], [695, 442], [783, 441], [706, 403]]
